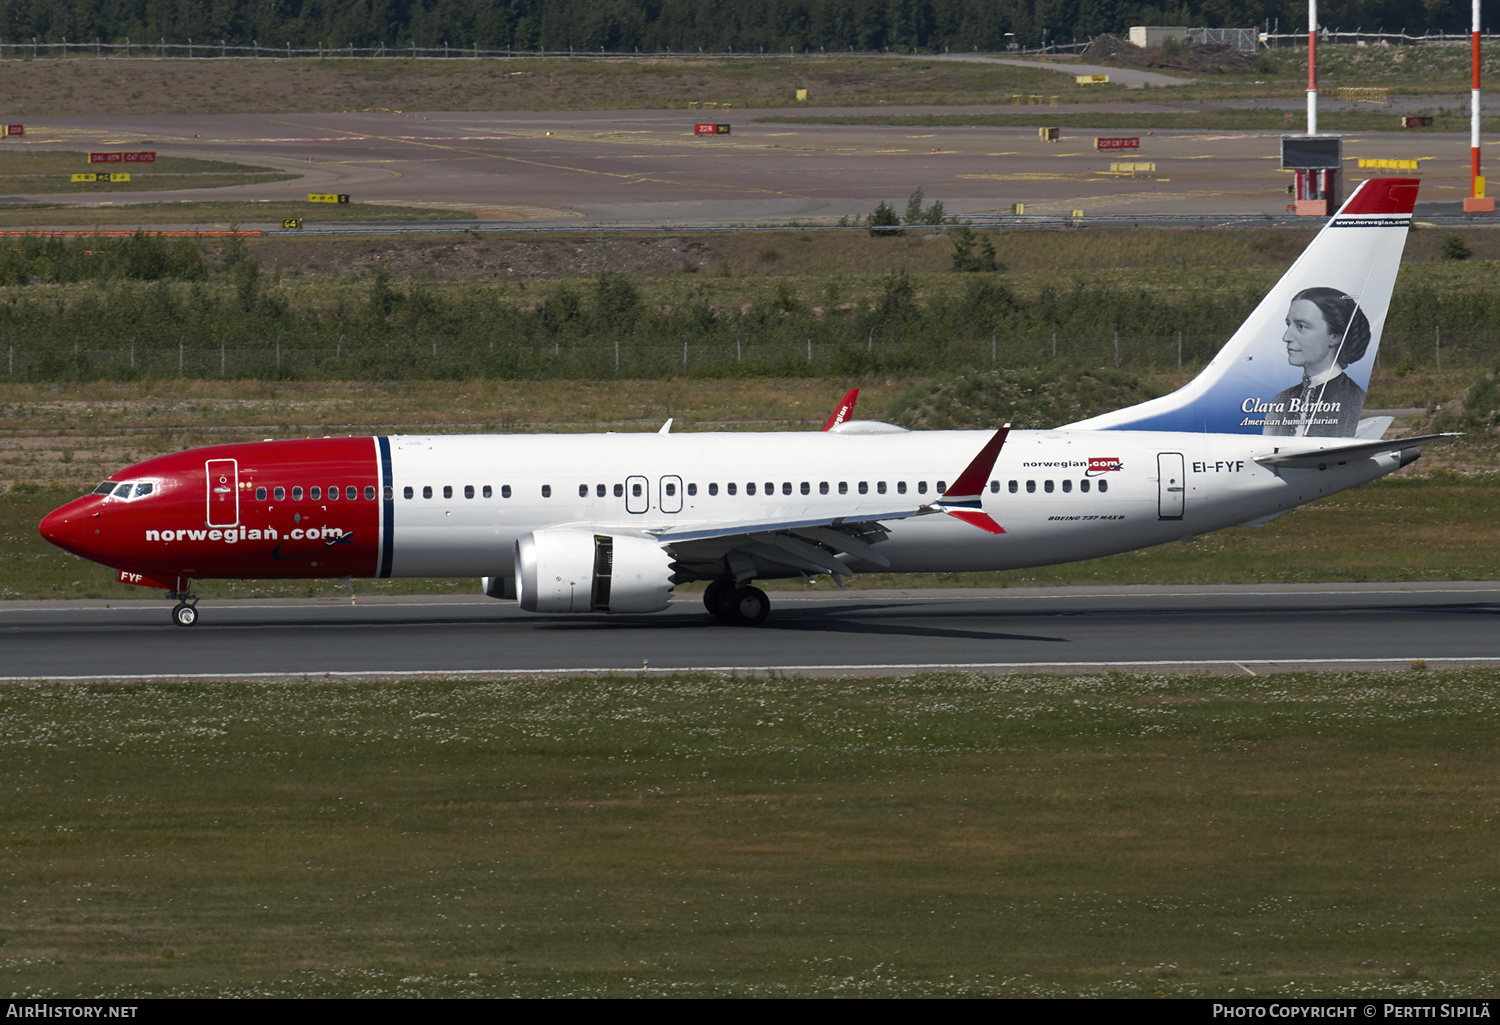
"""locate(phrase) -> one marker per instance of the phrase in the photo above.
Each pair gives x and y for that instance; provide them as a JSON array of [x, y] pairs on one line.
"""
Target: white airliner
[[611, 523]]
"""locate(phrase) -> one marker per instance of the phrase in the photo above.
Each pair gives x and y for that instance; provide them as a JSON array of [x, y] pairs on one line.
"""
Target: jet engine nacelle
[[567, 569]]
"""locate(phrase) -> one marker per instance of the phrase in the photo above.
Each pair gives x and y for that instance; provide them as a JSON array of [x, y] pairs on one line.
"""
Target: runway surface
[[647, 167], [1251, 630]]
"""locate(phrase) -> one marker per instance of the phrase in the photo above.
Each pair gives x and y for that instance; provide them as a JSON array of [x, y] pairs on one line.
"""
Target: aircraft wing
[[805, 546], [1335, 454], [811, 544]]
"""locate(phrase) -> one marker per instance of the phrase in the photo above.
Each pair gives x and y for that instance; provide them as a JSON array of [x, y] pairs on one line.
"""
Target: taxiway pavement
[[648, 168]]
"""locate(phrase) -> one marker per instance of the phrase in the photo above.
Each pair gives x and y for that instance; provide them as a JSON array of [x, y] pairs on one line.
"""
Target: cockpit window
[[129, 489]]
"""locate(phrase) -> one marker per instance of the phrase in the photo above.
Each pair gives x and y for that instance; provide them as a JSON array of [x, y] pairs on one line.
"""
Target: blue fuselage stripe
[[388, 500]]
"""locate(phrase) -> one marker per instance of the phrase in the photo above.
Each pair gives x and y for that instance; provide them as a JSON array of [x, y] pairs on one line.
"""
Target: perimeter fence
[[404, 357], [34, 47]]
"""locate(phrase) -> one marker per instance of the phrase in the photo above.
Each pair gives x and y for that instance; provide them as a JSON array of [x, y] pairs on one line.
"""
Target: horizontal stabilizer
[[1335, 455]]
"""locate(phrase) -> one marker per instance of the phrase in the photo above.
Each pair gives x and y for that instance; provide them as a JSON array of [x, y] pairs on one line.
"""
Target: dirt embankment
[[474, 257]]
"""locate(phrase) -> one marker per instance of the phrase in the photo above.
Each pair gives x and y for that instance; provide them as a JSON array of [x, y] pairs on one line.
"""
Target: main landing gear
[[185, 612], [743, 606]]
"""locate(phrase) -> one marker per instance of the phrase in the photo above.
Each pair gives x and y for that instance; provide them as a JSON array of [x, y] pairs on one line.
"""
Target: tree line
[[748, 26]]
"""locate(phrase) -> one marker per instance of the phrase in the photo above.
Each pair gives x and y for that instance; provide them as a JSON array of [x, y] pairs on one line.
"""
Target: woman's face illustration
[[1309, 343]]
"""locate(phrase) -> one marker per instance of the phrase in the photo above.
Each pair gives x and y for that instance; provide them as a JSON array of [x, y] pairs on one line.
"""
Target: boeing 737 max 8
[[611, 523]]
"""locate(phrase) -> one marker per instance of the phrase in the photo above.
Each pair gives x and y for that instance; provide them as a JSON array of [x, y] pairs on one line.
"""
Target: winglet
[[846, 408], [962, 500]]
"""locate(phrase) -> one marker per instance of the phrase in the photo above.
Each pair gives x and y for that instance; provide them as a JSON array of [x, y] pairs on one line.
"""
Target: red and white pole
[[1476, 203], [1312, 66]]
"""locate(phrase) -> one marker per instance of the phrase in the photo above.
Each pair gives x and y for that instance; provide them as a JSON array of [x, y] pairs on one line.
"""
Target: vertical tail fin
[[1301, 363]]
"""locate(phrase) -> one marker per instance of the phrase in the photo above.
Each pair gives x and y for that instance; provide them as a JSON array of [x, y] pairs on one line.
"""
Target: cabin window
[[864, 487], [806, 488], [406, 492], [713, 488], [822, 487], [1103, 486], [1083, 486], [280, 493], [880, 486], [619, 491], [1047, 486], [546, 490], [583, 491], [505, 491], [260, 494], [488, 492], [994, 487], [296, 494], [1067, 487], [1031, 487], [468, 491], [901, 487], [671, 489], [388, 493], [750, 488], [771, 489], [730, 488], [1013, 487], [692, 490], [600, 490], [369, 492], [843, 487], [921, 487], [315, 493], [351, 493], [635, 490], [426, 490], [447, 490], [942, 487]]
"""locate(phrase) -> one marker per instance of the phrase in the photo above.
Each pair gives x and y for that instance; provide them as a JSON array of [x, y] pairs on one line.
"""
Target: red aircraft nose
[[65, 527]]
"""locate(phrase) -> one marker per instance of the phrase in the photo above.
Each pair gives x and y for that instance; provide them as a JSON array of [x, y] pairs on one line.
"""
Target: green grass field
[[708, 836], [28, 172]]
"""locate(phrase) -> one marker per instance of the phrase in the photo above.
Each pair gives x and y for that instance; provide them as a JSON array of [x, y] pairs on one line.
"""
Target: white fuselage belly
[[1222, 486]]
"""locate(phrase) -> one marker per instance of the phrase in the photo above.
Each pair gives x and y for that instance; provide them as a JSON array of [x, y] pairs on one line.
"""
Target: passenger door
[[223, 492]]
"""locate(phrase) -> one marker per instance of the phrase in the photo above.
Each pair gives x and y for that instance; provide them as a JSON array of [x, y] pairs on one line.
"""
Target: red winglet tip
[[976, 474], [977, 519], [846, 407]]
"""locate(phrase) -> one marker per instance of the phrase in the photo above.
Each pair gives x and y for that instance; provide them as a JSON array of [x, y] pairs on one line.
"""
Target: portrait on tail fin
[[1326, 331]]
